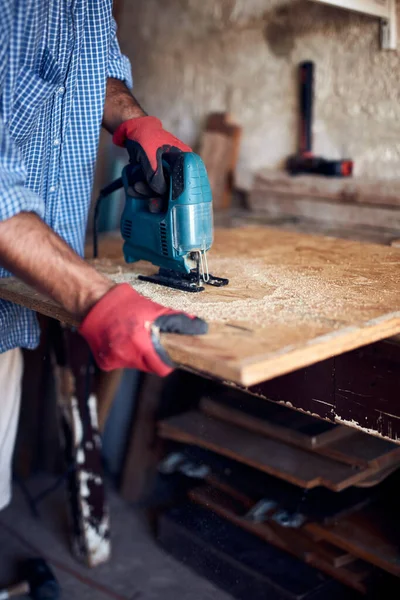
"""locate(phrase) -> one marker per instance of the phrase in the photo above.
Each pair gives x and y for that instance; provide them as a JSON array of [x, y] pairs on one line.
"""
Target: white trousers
[[11, 370]]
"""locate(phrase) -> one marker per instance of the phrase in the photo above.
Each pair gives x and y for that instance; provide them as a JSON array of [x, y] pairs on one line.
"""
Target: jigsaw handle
[[156, 170]]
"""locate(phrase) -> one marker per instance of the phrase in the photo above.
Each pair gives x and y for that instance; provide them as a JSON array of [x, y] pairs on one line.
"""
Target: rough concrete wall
[[191, 57]]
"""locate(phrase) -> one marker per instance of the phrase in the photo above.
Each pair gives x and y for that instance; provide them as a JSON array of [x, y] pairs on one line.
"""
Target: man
[[62, 76]]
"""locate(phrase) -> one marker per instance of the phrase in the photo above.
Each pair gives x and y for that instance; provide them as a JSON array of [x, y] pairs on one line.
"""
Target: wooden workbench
[[286, 329], [293, 300]]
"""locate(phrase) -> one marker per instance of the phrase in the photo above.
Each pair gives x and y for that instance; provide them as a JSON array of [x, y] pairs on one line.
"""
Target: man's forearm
[[120, 105], [40, 258]]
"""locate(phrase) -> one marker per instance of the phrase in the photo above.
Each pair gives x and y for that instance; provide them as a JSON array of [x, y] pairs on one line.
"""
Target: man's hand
[[123, 328], [143, 136], [146, 142]]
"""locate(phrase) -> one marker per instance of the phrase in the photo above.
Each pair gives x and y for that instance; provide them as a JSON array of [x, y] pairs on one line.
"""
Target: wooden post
[[88, 508]]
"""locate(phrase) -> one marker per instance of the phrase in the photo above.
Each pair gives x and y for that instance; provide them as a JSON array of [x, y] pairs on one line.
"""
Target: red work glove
[[146, 142], [122, 330]]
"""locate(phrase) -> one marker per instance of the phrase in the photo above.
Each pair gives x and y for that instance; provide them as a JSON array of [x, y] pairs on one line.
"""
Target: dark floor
[[138, 569]]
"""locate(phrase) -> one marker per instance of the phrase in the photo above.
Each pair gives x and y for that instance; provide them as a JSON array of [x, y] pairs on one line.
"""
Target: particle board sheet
[[305, 469], [293, 300]]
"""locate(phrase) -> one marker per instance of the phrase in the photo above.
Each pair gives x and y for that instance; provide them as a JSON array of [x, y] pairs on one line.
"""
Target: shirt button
[[53, 189], [61, 90], [57, 142]]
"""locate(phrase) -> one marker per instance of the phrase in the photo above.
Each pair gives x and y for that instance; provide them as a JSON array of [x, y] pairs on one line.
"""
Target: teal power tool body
[[173, 231]]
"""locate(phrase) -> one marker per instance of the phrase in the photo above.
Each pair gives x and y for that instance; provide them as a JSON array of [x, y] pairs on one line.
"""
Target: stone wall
[[191, 57]]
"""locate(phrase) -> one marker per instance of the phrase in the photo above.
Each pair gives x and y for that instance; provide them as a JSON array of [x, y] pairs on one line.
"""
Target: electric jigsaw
[[173, 231]]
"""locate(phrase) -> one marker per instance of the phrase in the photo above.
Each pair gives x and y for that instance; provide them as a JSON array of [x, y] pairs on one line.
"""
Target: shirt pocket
[[31, 93]]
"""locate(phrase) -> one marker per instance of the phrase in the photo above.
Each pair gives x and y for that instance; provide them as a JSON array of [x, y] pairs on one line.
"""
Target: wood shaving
[[260, 293]]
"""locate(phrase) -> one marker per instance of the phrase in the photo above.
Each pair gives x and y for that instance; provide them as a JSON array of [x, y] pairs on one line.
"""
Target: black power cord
[[107, 191]]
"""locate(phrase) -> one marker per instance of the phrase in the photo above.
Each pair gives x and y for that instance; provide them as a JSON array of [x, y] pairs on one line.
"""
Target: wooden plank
[[364, 450], [293, 300], [332, 554], [290, 541], [219, 150], [319, 210], [245, 218], [368, 535], [352, 447], [352, 190], [302, 468], [278, 422], [376, 478], [248, 486], [240, 562]]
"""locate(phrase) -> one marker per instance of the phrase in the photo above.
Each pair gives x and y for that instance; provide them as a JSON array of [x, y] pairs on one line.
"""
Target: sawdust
[[259, 293]]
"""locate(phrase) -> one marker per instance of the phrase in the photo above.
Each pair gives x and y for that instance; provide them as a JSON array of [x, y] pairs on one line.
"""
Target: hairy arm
[[33, 252], [40, 258], [120, 105]]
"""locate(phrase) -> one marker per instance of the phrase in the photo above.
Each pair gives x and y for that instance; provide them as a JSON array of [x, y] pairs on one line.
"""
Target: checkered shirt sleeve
[[119, 66]]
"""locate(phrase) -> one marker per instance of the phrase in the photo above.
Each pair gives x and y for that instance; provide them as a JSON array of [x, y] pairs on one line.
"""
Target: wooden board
[[239, 562], [363, 449], [295, 465], [370, 535], [274, 420], [219, 150], [351, 447], [346, 215], [319, 556], [351, 190], [376, 478], [249, 486], [293, 300], [371, 235], [296, 541]]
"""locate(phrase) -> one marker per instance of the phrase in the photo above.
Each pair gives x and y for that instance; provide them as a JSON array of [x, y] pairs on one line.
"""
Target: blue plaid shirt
[[55, 57]]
